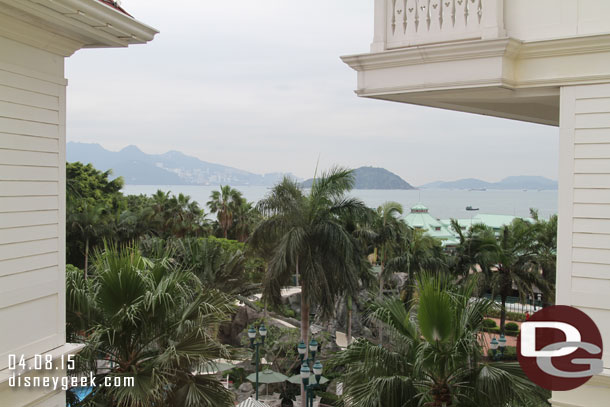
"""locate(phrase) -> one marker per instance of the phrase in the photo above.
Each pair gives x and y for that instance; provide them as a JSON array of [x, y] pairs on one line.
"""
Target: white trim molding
[[65, 26]]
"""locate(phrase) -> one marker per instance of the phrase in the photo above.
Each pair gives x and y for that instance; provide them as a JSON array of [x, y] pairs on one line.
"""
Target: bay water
[[442, 203]]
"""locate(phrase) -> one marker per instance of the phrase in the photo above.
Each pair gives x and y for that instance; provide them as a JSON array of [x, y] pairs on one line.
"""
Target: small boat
[[470, 208]]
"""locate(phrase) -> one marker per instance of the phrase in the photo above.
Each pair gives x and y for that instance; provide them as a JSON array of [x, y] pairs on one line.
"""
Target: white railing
[[405, 23]]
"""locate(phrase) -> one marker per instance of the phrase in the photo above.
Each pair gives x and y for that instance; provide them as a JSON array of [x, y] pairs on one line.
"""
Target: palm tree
[[245, 220], [89, 223], [387, 229], [418, 253], [225, 204], [507, 261], [545, 247], [147, 319], [308, 238], [434, 356], [215, 266]]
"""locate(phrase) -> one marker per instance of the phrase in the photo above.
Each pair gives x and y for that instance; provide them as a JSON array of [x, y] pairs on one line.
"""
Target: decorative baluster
[[448, 15], [393, 17], [435, 16], [460, 15], [424, 14], [472, 20], [411, 11], [404, 16]]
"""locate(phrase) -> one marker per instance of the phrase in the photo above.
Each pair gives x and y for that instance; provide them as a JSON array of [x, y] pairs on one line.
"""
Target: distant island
[[515, 182], [171, 168], [374, 178]]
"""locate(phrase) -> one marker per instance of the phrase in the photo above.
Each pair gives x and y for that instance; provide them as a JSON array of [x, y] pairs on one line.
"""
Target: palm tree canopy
[[150, 320], [434, 355], [306, 232]]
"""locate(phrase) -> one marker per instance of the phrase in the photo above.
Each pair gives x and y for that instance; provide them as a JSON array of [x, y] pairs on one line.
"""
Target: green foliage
[[86, 184], [426, 364], [149, 319], [511, 316], [489, 323], [218, 263], [508, 261], [280, 347], [226, 204], [511, 326], [496, 330], [304, 233], [510, 353]]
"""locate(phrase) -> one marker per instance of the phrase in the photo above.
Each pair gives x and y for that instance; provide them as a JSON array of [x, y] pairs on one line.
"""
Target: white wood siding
[[584, 204], [32, 205]]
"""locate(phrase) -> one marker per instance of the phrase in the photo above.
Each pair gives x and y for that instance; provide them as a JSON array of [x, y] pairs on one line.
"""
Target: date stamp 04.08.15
[[45, 370]]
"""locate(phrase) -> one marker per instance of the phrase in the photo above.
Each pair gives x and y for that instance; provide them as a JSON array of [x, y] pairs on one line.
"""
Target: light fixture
[[305, 373], [313, 345], [302, 348], [251, 333], [502, 343]]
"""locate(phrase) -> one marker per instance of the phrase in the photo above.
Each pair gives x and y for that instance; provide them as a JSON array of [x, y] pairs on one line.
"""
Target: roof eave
[[78, 23]]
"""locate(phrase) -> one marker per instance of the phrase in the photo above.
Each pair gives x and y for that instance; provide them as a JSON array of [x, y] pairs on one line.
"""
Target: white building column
[[583, 246]]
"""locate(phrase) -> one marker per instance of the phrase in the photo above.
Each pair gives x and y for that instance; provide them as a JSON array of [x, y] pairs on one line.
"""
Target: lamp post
[[493, 346], [306, 370], [502, 345], [252, 335], [309, 388], [497, 347]]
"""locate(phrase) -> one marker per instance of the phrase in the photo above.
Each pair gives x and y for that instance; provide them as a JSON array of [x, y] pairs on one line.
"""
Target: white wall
[[32, 200], [583, 273], [532, 20]]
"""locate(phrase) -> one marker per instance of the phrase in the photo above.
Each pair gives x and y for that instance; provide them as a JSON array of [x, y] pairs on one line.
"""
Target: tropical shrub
[[511, 326], [511, 316], [434, 356], [489, 323], [148, 319]]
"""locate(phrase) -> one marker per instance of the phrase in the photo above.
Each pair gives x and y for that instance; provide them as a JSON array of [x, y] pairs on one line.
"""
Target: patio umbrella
[[250, 402], [267, 376], [296, 379], [215, 367]]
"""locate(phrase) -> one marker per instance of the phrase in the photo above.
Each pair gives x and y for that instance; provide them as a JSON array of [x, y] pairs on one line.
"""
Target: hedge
[[489, 323], [512, 316], [496, 330]]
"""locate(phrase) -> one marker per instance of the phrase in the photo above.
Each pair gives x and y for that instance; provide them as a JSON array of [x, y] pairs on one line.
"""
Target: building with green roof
[[419, 218]]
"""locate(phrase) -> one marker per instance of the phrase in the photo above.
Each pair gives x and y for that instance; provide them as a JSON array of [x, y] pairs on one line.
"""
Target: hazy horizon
[[305, 178]]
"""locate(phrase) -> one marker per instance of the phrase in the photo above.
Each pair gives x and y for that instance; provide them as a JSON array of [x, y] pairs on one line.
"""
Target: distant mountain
[[516, 182], [171, 168], [373, 178]]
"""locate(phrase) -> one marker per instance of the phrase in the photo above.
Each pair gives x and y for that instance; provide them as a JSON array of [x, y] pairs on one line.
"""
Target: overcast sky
[[258, 85]]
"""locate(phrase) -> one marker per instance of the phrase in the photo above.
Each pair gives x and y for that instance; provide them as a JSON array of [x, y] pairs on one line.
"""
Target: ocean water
[[442, 203]]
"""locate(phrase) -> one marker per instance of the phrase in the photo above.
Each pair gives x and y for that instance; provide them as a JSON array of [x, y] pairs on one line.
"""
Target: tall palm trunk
[[304, 327], [86, 256], [348, 306], [503, 312], [381, 286]]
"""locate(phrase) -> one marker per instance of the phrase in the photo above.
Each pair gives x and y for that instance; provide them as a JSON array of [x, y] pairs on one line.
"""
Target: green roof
[[419, 218]]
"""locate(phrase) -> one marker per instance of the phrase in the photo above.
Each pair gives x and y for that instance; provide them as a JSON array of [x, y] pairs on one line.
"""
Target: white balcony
[[416, 22], [505, 58]]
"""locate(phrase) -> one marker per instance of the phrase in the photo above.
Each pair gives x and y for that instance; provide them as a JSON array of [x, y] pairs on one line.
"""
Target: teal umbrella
[[267, 376], [296, 379], [215, 367]]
